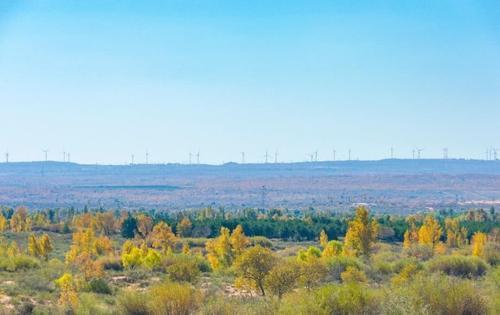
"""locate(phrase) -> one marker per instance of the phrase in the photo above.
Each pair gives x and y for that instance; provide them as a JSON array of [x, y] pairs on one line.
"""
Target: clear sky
[[103, 79]]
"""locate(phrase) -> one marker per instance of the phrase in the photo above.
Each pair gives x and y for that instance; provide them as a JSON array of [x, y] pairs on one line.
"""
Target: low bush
[[261, 241], [16, 263], [183, 268], [132, 303], [441, 294], [222, 305], [99, 286], [111, 263], [422, 252], [173, 298], [348, 298], [461, 266], [338, 264]]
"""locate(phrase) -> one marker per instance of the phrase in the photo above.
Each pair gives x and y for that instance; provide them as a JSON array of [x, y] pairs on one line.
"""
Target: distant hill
[[389, 185]]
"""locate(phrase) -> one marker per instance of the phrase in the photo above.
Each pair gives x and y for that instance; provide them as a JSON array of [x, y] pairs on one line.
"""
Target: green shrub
[[262, 241], [183, 268], [111, 263], [400, 264], [348, 298], [462, 266], [132, 303], [422, 252], [338, 264], [173, 298], [99, 286], [16, 263], [223, 305], [441, 294]]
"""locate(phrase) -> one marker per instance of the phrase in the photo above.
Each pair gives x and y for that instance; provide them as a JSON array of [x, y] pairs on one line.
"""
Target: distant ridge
[[397, 166]]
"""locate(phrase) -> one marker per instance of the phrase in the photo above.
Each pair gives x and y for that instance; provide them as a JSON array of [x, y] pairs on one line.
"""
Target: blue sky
[[104, 79]]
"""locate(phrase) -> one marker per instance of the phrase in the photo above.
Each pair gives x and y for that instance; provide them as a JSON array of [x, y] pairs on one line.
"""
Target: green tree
[[254, 265], [129, 226]]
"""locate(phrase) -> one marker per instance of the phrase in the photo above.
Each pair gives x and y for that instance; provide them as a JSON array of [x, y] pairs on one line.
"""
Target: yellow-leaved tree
[[479, 240], [33, 248], [323, 239], [361, 234], [456, 236], [162, 237], [222, 250], [20, 221], [3, 223], [254, 265], [410, 237], [45, 246], [68, 297], [430, 232], [219, 252], [144, 225], [184, 227], [238, 241]]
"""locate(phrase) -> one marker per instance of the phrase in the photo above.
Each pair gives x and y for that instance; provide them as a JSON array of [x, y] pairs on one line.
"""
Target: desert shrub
[[194, 242], [492, 253], [132, 303], [422, 252], [89, 304], [36, 283], [352, 274], [173, 298], [111, 263], [383, 261], [222, 305], [99, 286], [25, 307], [407, 273], [348, 298], [462, 266], [300, 303], [203, 264], [183, 268], [400, 264], [136, 275], [441, 294], [261, 241], [338, 264], [16, 263]]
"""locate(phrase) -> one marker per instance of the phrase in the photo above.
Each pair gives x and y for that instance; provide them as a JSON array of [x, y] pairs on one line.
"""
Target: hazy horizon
[[107, 79]]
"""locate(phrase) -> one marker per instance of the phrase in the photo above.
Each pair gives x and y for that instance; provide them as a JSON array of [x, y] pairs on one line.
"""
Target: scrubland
[[216, 261]]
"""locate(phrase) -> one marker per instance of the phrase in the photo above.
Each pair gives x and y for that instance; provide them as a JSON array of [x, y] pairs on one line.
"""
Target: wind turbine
[[242, 157], [7, 157], [46, 152], [445, 153], [334, 153], [275, 156], [147, 157], [266, 156], [349, 153], [198, 157], [418, 153]]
